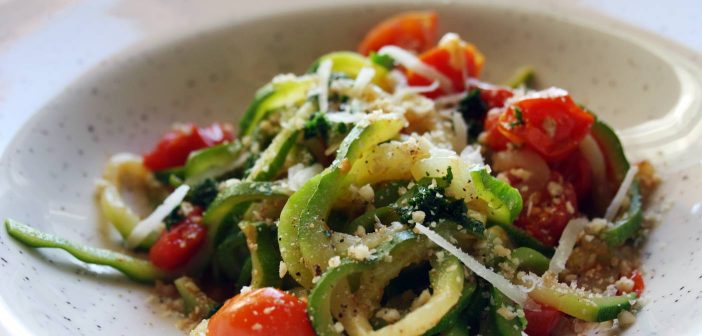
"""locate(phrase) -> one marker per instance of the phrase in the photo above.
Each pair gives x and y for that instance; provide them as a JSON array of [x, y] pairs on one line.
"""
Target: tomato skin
[[553, 126], [264, 311], [576, 170], [416, 31], [176, 247], [495, 97], [639, 285], [541, 322], [439, 58], [491, 137], [546, 214], [175, 146]]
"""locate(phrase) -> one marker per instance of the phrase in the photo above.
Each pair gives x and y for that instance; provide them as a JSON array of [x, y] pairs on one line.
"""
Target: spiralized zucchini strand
[[136, 269]]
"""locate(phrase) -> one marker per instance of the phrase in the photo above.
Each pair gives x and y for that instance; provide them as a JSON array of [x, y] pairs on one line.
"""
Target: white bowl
[[641, 85]]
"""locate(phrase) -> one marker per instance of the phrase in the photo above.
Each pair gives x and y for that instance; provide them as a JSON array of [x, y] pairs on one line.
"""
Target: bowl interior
[[47, 174]]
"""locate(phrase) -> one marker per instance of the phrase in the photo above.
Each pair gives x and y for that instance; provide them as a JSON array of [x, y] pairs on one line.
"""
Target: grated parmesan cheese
[[338, 327], [359, 252], [507, 312], [554, 189], [334, 261], [366, 192], [418, 216], [624, 284]]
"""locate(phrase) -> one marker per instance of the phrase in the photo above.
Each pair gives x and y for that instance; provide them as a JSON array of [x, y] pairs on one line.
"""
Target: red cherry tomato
[[491, 137], [546, 212], [576, 170], [175, 146], [264, 311], [176, 247], [553, 126], [416, 31], [638, 282], [541, 322], [495, 97], [442, 58]]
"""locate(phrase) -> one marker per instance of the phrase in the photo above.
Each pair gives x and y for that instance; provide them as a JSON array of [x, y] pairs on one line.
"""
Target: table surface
[[46, 44]]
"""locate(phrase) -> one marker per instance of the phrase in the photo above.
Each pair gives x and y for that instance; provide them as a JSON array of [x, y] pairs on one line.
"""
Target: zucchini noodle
[[123, 171]]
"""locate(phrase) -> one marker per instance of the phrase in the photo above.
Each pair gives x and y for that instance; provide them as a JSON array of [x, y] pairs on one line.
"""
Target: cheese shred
[[507, 288]]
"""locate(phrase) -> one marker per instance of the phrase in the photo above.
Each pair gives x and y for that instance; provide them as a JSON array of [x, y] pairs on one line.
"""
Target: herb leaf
[[383, 60], [473, 109], [519, 118]]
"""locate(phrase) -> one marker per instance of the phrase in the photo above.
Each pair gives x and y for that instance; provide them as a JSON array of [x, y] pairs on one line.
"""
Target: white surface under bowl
[[642, 86]]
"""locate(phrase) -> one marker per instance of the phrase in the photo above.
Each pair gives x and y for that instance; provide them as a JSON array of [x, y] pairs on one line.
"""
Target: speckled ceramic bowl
[[639, 84]]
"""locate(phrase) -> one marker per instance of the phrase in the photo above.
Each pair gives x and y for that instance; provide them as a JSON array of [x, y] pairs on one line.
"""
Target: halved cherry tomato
[[553, 126], [457, 60], [175, 146], [546, 212], [264, 311], [541, 322], [491, 137], [416, 31], [176, 247], [576, 170], [495, 97]]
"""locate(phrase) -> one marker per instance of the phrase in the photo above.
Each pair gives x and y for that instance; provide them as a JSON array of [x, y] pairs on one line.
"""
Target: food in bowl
[[387, 191]]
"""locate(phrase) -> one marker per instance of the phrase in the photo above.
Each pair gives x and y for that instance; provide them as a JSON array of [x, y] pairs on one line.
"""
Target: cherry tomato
[[638, 282], [175, 146], [553, 126], [264, 311], [491, 137], [443, 58], [576, 170], [416, 31], [176, 247], [639, 285], [541, 322], [546, 212], [495, 97]]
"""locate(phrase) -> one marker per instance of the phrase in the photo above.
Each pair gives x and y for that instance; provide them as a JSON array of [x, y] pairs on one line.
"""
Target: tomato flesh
[[546, 212], [552, 126], [541, 322], [264, 311], [176, 247], [441, 59], [175, 146], [495, 97], [491, 137], [416, 31], [639, 284]]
